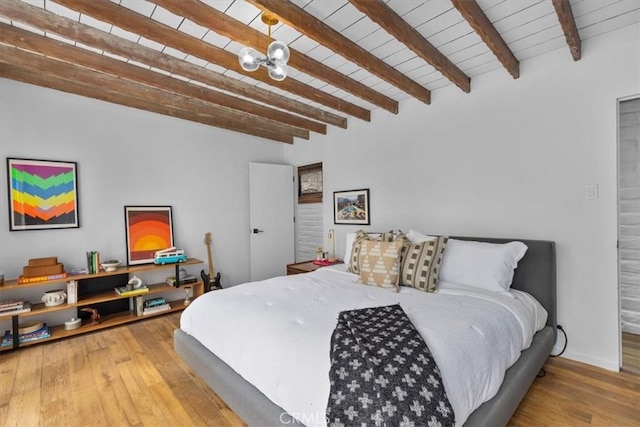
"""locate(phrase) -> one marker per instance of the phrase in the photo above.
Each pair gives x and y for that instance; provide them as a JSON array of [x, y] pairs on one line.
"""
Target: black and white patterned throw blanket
[[382, 373]]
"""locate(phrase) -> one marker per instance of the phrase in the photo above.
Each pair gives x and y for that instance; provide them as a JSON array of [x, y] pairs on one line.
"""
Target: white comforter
[[276, 334]]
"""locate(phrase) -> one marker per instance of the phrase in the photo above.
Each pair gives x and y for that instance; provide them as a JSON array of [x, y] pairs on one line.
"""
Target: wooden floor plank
[[8, 370], [130, 375], [87, 407], [56, 404], [24, 409]]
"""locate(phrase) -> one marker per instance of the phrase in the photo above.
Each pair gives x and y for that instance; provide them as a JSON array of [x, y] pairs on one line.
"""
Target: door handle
[[256, 231]]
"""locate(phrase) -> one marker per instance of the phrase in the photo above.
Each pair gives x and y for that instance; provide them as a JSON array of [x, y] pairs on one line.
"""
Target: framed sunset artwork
[[149, 229], [43, 194]]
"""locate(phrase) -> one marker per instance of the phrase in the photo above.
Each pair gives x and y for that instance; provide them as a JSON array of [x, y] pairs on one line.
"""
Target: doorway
[[629, 231]]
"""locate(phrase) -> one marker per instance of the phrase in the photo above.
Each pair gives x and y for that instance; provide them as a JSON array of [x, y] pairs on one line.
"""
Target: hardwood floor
[[130, 376]]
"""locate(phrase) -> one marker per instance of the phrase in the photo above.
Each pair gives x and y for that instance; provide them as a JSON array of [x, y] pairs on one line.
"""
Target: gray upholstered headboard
[[536, 272]]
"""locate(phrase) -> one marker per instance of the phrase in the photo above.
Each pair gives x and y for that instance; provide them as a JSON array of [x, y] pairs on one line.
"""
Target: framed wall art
[[310, 183], [43, 194], [149, 229], [351, 207]]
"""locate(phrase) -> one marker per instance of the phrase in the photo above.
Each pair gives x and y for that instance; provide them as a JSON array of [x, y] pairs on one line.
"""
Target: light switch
[[591, 191]]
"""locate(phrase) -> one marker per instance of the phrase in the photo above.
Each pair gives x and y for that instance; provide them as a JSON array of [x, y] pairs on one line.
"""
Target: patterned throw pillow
[[361, 236], [380, 263], [421, 262]]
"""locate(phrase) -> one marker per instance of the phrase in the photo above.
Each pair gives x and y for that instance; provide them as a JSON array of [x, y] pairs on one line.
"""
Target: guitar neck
[[210, 258]]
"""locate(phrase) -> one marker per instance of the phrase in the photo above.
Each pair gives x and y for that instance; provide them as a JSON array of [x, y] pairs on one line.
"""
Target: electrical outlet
[[330, 236]]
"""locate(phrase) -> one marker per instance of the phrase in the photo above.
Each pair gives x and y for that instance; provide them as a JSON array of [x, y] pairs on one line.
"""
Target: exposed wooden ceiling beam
[[217, 21], [568, 24], [129, 20], [97, 90], [393, 24], [317, 30], [488, 33], [106, 82], [47, 21], [27, 40]]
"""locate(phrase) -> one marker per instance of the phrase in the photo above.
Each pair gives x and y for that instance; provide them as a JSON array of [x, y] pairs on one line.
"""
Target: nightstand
[[303, 267]]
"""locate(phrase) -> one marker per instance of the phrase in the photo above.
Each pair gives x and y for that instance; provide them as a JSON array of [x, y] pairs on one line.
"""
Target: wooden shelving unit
[[11, 284], [94, 299]]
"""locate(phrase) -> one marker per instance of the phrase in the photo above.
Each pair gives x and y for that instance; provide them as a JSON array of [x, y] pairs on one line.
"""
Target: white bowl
[[110, 265]]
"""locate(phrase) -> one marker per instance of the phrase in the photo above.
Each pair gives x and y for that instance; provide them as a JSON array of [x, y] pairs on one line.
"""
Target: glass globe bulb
[[278, 51], [277, 72], [248, 59]]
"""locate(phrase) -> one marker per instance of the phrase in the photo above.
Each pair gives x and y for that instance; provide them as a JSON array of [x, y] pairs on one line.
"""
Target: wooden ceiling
[[348, 57]]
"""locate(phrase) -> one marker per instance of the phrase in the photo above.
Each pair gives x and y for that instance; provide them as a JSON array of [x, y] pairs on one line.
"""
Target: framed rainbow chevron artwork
[[43, 194]]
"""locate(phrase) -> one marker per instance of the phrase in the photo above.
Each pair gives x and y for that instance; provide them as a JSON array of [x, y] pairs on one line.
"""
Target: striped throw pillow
[[421, 263], [380, 263]]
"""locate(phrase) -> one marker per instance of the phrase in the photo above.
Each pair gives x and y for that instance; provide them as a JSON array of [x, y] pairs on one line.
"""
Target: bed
[[535, 275]]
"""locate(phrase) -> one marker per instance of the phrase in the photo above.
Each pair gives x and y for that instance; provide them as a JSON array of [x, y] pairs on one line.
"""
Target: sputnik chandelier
[[276, 59]]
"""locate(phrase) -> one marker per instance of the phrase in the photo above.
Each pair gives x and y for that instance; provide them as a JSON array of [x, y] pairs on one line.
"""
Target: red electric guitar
[[211, 280]]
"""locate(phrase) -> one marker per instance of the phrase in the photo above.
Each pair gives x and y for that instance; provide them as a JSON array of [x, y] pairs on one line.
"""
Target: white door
[[271, 203]]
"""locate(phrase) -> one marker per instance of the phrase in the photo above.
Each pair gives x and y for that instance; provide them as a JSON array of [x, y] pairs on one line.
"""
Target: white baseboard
[[611, 365]]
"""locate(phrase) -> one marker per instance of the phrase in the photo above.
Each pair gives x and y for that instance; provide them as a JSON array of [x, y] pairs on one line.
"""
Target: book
[[171, 280], [156, 309], [72, 292], [19, 309], [7, 339], [123, 292], [153, 302], [10, 303], [22, 280], [138, 305], [93, 262], [14, 306], [24, 309]]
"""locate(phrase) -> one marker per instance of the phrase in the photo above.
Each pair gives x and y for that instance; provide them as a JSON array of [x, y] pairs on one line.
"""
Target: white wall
[[510, 159], [130, 157]]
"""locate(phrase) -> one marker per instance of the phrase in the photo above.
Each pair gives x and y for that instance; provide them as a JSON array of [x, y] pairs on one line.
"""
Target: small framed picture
[[351, 207], [148, 229], [43, 194]]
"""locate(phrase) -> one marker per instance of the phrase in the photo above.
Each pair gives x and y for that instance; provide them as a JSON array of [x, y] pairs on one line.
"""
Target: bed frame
[[536, 274]]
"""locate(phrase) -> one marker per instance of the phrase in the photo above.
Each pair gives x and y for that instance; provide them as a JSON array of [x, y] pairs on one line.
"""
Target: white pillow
[[350, 237], [417, 237], [488, 266]]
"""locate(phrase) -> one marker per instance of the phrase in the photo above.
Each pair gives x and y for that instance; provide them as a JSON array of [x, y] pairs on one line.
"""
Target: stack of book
[[93, 262], [155, 305], [14, 306], [41, 269], [22, 280], [184, 280], [131, 292], [7, 339]]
